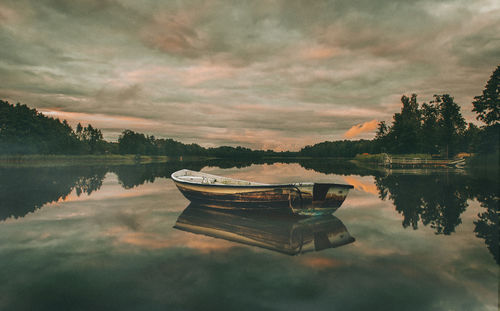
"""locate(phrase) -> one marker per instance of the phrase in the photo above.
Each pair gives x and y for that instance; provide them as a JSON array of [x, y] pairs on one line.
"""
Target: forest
[[436, 128]]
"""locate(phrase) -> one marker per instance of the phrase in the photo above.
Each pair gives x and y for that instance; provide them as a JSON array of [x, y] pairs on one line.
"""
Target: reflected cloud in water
[[115, 244], [435, 199]]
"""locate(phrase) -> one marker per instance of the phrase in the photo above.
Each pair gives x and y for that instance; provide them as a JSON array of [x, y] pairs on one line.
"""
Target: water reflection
[[276, 230], [23, 190], [436, 199]]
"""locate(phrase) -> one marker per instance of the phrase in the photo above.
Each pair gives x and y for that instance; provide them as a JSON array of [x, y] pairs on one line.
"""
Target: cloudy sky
[[262, 74]]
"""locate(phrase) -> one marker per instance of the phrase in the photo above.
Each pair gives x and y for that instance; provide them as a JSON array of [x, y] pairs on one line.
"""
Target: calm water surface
[[103, 238]]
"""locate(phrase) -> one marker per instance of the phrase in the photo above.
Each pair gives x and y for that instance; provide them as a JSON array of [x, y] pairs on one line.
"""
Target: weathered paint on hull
[[308, 199], [235, 197]]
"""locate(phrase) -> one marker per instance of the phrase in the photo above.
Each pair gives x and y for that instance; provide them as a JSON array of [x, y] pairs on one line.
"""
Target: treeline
[[26, 131], [340, 148], [437, 127], [131, 142]]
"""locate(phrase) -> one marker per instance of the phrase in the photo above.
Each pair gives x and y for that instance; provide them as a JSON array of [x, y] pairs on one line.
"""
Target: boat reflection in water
[[277, 230]]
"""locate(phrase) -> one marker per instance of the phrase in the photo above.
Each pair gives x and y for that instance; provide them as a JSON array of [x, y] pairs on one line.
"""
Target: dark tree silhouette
[[341, 148], [436, 200], [487, 228], [487, 105], [91, 137], [487, 193], [451, 124], [131, 142], [26, 131], [406, 126], [23, 190], [429, 135]]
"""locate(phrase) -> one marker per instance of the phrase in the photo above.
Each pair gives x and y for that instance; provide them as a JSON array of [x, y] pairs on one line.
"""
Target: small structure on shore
[[402, 162]]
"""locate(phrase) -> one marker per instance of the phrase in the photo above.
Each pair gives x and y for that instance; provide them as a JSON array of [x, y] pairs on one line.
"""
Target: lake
[[103, 238]]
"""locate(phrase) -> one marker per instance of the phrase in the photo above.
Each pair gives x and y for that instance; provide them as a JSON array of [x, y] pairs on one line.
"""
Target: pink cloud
[[197, 74], [258, 138], [8, 15], [361, 128], [177, 32], [318, 52], [99, 120]]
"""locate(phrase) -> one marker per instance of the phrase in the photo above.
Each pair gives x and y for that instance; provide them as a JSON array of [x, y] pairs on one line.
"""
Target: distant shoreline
[[485, 163], [70, 160], [53, 160]]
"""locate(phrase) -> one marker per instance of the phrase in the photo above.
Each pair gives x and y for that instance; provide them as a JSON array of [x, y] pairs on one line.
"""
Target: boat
[[276, 230], [224, 192]]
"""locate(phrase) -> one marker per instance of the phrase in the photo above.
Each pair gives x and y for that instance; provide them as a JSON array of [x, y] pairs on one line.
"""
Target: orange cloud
[[361, 185], [320, 262], [150, 240], [361, 128]]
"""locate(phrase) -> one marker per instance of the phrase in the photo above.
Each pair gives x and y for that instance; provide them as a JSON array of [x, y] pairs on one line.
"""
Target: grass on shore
[[68, 160]]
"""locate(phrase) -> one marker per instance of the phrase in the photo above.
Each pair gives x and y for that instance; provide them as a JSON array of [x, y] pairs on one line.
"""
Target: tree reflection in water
[[438, 200], [23, 190], [487, 224], [435, 199]]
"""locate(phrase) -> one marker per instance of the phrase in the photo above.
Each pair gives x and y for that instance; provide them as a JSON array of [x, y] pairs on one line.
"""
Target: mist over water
[[103, 237]]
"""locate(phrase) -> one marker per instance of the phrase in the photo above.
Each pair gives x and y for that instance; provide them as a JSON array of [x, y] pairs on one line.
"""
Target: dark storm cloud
[[293, 72]]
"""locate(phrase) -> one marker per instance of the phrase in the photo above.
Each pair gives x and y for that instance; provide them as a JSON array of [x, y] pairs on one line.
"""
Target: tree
[[429, 132], [470, 139], [27, 131], [381, 136], [487, 105], [381, 130], [131, 142], [451, 123], [406, 126], [91, 137]]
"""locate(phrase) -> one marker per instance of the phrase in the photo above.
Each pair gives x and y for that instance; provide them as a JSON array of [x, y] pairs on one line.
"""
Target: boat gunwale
[[257, 185]]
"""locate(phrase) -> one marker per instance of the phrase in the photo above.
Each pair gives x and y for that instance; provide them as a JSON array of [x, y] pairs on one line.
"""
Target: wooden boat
[[277, 230], [224, 192]]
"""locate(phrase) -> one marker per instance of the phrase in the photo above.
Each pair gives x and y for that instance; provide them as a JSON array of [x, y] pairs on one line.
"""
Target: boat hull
[[308, 199]]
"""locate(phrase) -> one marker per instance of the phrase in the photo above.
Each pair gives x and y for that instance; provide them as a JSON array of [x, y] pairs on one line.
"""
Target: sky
[[262, 74]]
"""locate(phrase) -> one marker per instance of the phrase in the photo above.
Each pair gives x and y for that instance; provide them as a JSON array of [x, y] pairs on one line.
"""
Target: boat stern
[[318, 198]]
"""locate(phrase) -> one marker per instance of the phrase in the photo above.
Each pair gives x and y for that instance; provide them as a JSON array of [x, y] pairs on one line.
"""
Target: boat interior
[[204, 178]]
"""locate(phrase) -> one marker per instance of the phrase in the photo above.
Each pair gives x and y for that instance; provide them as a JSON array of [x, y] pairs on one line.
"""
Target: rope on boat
[[300, 197]]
